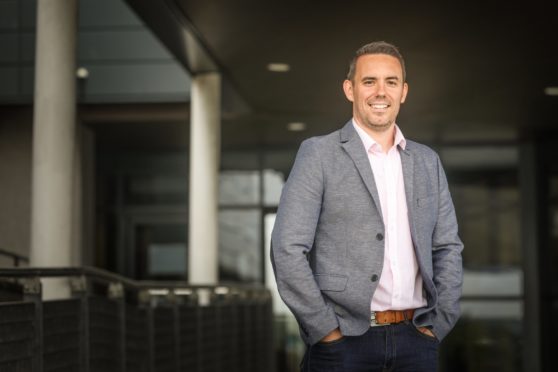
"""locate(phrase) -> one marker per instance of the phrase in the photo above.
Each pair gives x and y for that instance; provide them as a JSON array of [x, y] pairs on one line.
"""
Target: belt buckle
[[374, 322]]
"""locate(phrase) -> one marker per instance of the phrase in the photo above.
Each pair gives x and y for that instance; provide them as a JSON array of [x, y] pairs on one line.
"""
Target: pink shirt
[[400, 285]]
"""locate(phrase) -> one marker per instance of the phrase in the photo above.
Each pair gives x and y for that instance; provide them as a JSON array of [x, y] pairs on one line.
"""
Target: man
[[365, 246]]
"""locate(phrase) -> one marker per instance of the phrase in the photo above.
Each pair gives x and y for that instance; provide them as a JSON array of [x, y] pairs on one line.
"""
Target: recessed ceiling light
[[278, 67], [296, 126], [551, 91]]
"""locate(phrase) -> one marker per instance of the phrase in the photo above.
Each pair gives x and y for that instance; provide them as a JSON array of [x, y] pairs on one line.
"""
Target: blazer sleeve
[[292, 239], [446, 260]]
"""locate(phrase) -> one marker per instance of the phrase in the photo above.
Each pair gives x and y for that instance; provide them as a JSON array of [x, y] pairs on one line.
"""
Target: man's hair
[[376, 47]]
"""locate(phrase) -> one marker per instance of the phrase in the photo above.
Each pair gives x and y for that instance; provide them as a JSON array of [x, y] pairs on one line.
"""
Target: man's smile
[[379, 106]]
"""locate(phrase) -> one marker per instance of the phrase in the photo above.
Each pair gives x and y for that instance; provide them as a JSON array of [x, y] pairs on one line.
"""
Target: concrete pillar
[[54, 137], [205, 125]]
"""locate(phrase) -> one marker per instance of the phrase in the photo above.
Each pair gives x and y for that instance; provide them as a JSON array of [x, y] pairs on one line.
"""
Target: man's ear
[[348, 89], [405, 91]]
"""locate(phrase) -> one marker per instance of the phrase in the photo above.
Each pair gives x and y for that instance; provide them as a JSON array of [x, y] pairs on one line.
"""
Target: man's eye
[[368, 82], [392, 83]]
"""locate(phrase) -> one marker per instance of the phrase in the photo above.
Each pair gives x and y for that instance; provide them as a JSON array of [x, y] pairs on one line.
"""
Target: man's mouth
[[379, 106]]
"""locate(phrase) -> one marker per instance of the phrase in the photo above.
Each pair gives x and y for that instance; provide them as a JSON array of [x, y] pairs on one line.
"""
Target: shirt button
[[374, 278], [379, 236]]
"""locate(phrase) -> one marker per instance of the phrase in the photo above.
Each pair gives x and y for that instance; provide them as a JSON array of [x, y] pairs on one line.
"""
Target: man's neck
[[384, 138]]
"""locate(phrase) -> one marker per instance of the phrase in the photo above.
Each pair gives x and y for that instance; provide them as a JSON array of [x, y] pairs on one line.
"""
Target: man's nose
[[380, 89]]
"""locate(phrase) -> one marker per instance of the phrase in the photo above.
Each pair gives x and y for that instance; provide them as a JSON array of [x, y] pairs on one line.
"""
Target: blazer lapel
[[352, 143], [408, 163]]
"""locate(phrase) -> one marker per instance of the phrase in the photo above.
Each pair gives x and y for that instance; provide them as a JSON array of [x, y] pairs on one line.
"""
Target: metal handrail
[[201, 293], [53, 272], [107, 276], [16, 257]]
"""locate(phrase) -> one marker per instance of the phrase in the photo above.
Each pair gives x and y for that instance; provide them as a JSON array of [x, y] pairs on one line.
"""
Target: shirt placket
[[391, 193], [380, 169]]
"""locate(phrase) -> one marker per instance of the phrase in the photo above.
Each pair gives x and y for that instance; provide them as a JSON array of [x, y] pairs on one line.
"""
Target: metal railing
[[14, 256], [111, 323]]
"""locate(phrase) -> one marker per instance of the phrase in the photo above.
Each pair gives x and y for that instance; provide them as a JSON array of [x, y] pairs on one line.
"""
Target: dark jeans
[[399, 347]]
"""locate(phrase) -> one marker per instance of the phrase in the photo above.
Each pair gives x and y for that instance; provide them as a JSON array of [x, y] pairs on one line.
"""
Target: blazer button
[[374, 278], [379, 236]]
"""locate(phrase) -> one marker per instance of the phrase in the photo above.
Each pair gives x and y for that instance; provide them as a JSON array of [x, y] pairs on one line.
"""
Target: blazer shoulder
[[422, 150], [323, 141]]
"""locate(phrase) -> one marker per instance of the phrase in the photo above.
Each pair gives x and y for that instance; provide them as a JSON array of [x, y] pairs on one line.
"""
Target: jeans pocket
[[326, 356], [423, 335], [332, 343]]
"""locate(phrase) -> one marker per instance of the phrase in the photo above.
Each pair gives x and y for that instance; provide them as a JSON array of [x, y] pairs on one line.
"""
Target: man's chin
[[379, 127]]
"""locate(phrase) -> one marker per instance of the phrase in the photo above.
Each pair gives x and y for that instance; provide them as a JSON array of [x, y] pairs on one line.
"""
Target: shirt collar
[[369, 142]]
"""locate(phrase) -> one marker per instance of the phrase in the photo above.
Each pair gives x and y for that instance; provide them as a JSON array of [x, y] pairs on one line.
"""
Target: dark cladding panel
[[106, 13], [161, 81], [9, 47], [17, 332], [8, 15], [8, 77], [28, 13], [61, 327], [105, 336], [137, 336], [165, 358], [27, 45], [122, 45]]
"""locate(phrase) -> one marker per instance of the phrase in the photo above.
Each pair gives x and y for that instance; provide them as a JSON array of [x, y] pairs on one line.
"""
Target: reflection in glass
[[489, 335], [487, 207], [273, 184], [483, 345], [167, 259], [142, 189], [161, 250], [239, 187], [240, 255]]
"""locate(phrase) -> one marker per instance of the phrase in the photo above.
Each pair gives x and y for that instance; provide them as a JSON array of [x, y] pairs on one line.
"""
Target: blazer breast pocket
[[331, 282]]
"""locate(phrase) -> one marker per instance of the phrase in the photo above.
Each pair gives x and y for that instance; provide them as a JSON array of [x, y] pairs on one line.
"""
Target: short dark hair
[[376, 47]]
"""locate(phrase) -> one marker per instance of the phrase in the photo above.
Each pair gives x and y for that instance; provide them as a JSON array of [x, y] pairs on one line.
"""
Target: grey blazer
[[328, 239]]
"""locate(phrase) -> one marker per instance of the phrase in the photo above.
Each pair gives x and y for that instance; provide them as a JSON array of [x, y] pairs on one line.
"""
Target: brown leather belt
[[379, 318]]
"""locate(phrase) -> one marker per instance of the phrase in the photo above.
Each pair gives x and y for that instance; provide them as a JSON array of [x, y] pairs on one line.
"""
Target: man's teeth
[[379, 106]]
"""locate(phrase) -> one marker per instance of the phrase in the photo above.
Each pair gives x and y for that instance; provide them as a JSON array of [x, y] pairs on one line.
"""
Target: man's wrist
[[332, 336], [426, 331]]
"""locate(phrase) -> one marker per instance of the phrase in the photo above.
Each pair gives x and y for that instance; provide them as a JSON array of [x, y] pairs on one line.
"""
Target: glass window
[[485, 190], [167, 259], [239, 187], [240, 160], [142, 189], [487, 208], [161, 250], [478, 344], [240, 252], [484, 186], [273, 184]]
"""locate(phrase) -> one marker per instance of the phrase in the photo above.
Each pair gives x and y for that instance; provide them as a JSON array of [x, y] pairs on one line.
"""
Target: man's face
[[377, 91]]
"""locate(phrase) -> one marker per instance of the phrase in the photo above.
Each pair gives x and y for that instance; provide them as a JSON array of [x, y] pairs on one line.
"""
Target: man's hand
[[426, 331], [332, 336]]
